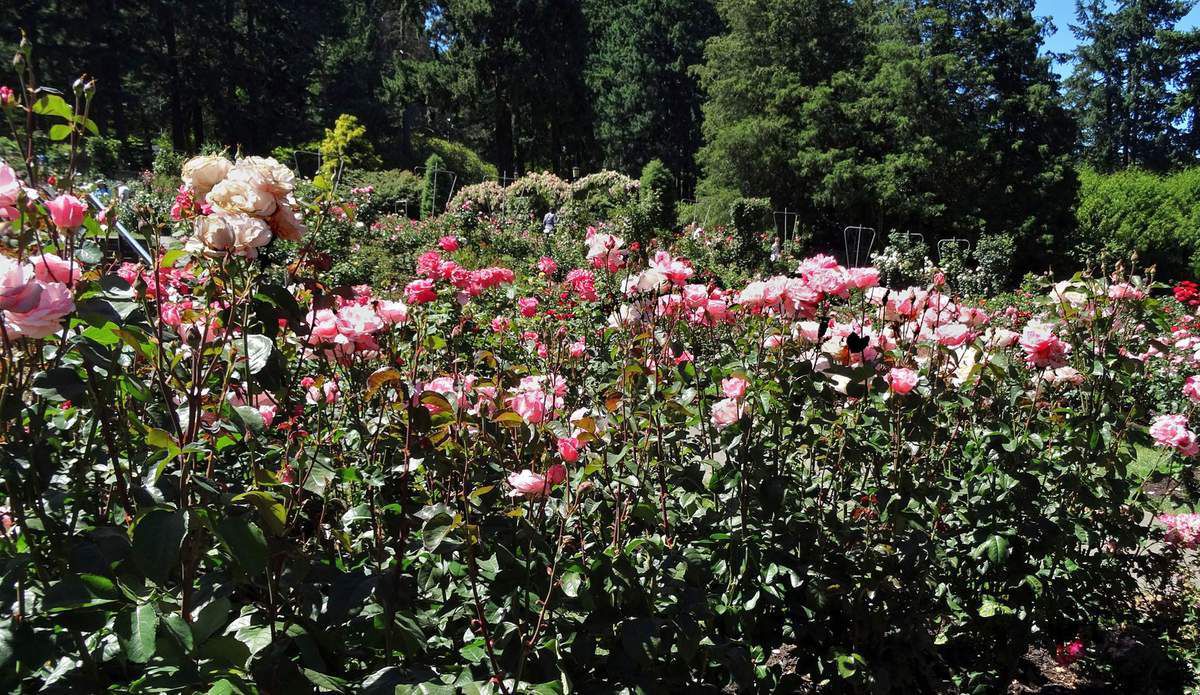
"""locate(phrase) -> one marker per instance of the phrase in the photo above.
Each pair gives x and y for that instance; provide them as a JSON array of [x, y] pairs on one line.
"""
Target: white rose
[[285, 224], [265, 174], [203, 172], [240, 197]]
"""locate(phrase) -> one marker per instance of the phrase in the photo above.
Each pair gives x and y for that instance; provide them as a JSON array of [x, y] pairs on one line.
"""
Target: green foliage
[[605, 196], [644, 95], [889, 115], [485, 198], [658, 194], [1156, 217], [395, 192], [345, 146], [435, 188], [456, 157]]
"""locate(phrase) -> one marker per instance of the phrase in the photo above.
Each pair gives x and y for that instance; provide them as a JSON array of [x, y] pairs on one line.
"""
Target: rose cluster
[[245, 204]]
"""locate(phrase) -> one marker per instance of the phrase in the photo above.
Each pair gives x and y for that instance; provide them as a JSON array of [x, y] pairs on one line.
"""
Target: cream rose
[[214, 233], [265, 174], [204, 172], [285, 224], [232, 196], [249, 233]]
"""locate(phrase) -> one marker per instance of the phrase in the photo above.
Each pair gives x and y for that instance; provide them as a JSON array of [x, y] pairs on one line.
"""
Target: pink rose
[[1171, 431], [577, 349], [1191, 388], [568, 449], [420, 292], [900, 380], [50, 268], [392, 312], [528, 306], [726, 412], [547, 266], [500, 324], [862, 278], [528, 484], [448, 243], [734, 387], [19, 289], [1043, 348], [530, 405], [54, 303], [67, 211]]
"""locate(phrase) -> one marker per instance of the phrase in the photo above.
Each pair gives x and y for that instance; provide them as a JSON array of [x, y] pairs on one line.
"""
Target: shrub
[[394, 192], [458, 158], [344, 146], [658, 194], [533, 195], [1132, 212], [435, 191], [602, 196], [485, 198]]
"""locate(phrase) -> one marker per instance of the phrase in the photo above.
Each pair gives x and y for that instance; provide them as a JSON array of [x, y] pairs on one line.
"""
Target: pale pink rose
[[529, 484], [677, 270], [1064, 375], [530, 405], [54, 303], [725, 412], [999, 338], [577, 349], [265, 174], [1125, 291], [500, 324], [1191, 388], [10, 190], [285, 224], [392, 312], [1172, 431], [568, 449], [528, 306], [19, 289], [547, 266], [952, 334], [358, 322], [249, 234], [327, 393], [863, 278], [734, 387], [50, 268], [695, 296], [901, 380], [448, 243], [1043, 348], [67, 211], [1182, 529]]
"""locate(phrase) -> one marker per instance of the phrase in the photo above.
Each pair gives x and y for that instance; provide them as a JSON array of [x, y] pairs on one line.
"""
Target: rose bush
[[224, 473]]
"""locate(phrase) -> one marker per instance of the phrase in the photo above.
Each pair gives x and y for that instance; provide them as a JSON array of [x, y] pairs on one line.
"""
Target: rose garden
[[308, 444]]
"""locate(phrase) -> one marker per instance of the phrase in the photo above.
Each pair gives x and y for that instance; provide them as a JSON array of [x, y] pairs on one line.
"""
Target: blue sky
[[1063, 13]]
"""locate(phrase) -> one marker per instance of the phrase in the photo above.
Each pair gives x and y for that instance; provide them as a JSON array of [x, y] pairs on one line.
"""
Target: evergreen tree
[[644, 93], [1132, 88]]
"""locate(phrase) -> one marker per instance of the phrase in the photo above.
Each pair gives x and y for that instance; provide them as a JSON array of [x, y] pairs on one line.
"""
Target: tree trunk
[[166, 24]]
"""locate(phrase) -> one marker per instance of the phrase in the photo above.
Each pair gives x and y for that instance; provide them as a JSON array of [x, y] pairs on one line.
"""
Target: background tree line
[[939, 116]]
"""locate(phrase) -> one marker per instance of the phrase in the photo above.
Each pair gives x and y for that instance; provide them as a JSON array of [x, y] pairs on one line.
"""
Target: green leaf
[[436, 529], [323, 682], [250, 418], [270, 509], [143, 625], [157, 538], [570, 584], [995, 547], [53, 105], [245, 542], [180, 630], [89, 253], [59, 384], [60, 132]]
